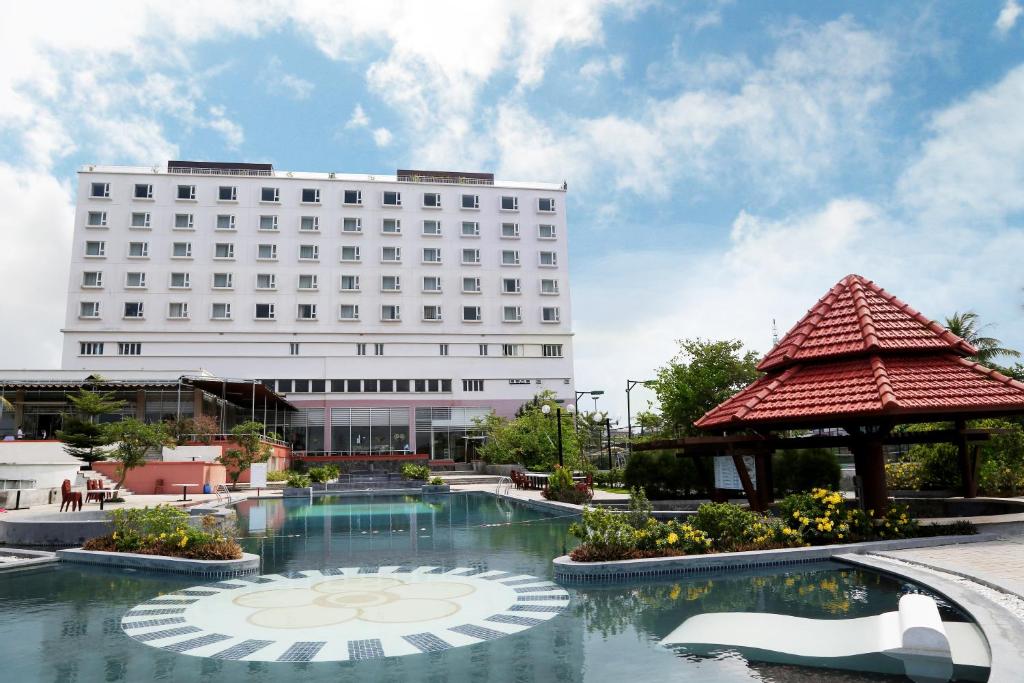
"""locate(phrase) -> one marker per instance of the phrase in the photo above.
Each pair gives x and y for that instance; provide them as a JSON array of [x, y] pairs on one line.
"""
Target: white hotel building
[[391, 310]]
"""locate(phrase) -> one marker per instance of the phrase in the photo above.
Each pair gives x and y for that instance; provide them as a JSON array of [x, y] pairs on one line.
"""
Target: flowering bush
[[731, 527], [166, 530], [905, 476], [606, 535], [413, 471], [822, 517], [563, 489]]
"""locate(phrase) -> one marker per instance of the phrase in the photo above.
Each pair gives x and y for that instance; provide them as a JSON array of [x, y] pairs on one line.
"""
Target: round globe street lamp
[[608, 428], [546, 409]]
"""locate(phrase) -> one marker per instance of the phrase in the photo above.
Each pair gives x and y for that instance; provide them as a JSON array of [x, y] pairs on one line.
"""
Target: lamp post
[[594, 395], [558, 418], [630, 383]]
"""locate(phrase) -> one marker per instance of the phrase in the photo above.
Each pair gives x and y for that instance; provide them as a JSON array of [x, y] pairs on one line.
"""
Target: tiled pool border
[[568, 571], [249, 564]]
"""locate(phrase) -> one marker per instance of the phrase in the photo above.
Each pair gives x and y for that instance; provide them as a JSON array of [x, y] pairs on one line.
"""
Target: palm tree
[[967, 326]]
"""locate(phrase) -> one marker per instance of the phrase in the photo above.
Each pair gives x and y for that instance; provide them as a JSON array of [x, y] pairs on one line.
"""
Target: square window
[[265, 311], [96, 249], [390, 283], [350, 253], [183, 221], [270, 194], [546, 205], [391, 198], [549, 314], [350, 283], [471, 256], [391, 226], [92, 279], [471, 314], [96, 219], [227, 193], [142, 191], [133, 309], [226, 222], [221, 312], [472, 385], [310, 196], [432, 314], [181, 250], [431, 255], [431, 200], [266, 281], [268, 222], [509, 203], [471, 285], [552, 350], [511, 314], [470, 201], [266, 252], [352, 225], [353, 197], [308, 282], [470, 229], [391, 254], [432, 228], [309, 252], [135, 280], [511, 350], [548, 287], [224, 250], [546, 231], [90, 348], [348, 312], [309, 223], [510, 285], [180, 281], [306, 312], [510, 257], [89, 309], [186, 192], [223, 280], [140, 219], [138, 250], [548, 259], [99, 190], [510, 230], [432, 284], [177, 310], [390, 313]]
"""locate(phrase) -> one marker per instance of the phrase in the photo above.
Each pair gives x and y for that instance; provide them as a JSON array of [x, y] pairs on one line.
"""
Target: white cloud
[[596, 69], [359, 119], [232, 132], [382, 137], [277, 81], [1008, 17]]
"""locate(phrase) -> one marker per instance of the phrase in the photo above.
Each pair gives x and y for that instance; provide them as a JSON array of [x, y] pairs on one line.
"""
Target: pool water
[[63, 624]]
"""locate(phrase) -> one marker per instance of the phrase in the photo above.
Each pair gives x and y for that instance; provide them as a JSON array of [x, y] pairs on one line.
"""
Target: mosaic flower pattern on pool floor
[[346, 613]]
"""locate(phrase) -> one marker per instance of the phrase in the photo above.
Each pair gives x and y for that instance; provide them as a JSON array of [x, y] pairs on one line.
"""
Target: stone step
[[470, 478]]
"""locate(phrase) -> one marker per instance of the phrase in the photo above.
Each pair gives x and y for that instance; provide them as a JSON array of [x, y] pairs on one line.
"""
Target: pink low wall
[[160, 477], [280, 457]]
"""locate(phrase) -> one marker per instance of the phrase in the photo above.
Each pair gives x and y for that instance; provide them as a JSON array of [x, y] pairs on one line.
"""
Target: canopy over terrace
[[864, 361]]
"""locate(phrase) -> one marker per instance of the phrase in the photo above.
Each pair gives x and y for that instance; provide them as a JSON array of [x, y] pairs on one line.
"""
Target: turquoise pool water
[[63, 624]]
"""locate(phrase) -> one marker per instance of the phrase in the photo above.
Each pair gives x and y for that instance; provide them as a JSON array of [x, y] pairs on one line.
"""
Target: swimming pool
[[65, 623]]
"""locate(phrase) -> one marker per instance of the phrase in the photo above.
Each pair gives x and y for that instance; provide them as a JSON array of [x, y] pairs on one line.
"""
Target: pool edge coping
[[570, 571], [1003, 630], [248, 564]]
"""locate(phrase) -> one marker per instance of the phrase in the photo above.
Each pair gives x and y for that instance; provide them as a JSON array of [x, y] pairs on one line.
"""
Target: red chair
[[68, 498], [90, 493], [590, 482]]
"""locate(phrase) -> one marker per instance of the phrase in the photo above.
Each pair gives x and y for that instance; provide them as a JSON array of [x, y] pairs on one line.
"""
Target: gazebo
[[859, 363]]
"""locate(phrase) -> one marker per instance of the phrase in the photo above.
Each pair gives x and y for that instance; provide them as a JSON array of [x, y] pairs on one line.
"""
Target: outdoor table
[[183, 487], [537, 479], [103, 498]]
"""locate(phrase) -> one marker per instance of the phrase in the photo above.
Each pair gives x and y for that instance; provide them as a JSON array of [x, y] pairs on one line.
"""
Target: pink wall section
[[160, 477]]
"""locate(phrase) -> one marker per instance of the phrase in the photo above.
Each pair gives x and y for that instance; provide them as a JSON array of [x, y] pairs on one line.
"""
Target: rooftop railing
[[185, 170], [447, 180]]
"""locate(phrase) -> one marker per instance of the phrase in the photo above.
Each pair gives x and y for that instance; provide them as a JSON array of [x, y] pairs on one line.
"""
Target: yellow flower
[[672, 537]]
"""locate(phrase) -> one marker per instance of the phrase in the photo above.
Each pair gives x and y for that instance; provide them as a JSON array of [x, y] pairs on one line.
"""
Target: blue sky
[[727, 162]]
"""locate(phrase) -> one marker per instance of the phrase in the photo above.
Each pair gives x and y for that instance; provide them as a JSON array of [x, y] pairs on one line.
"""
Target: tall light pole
[[546, 409], [630, 383], [594, 394]]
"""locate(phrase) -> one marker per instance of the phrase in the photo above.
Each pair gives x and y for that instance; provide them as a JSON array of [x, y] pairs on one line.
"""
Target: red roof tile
[[858, 317], [867, 386]]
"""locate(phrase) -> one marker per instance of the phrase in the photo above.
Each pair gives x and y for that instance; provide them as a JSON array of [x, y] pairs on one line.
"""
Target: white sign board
[[258, 475], [726, 476]]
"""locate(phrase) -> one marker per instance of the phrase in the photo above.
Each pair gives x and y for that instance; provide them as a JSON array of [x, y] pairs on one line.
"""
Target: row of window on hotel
[[311, 196], [225, 251], [310, 282], [179, 310], [311, 224], [93, 348]]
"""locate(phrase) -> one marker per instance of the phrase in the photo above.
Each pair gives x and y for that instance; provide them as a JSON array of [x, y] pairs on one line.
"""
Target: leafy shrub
[[803, 469], [906, 476], [323, 474], [939, 465], [607, 536], [661, 474], [724, 523], [822, 517], [166, 530], [413, 471], [563, 489], [278, 475], [436, 481], [639, 509], [610, 478], [298, 481]]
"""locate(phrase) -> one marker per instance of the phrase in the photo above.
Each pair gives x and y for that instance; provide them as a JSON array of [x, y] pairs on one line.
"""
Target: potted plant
[[436, 485], [297, 485]]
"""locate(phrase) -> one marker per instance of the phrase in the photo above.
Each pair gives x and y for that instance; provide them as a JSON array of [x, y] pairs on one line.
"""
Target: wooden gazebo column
[[869, 460], [968, 458]]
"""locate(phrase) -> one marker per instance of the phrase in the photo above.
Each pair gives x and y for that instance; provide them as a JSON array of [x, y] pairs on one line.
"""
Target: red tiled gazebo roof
[[863, 353]]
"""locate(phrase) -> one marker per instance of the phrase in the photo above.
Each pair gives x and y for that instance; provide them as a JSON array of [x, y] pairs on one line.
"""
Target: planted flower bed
[[820, 517], [165, 530]]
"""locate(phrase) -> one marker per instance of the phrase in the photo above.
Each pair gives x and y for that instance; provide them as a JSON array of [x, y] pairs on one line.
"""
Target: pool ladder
[[503, 482]]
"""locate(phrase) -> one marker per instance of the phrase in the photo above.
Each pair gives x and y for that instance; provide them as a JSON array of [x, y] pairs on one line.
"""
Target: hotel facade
[[390, 310]]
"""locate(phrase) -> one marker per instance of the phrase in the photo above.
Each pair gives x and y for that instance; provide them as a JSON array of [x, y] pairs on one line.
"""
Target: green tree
[[531, 438], [251, 449], [968, 327], [701, 376], [132, 439], [84, 438]]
